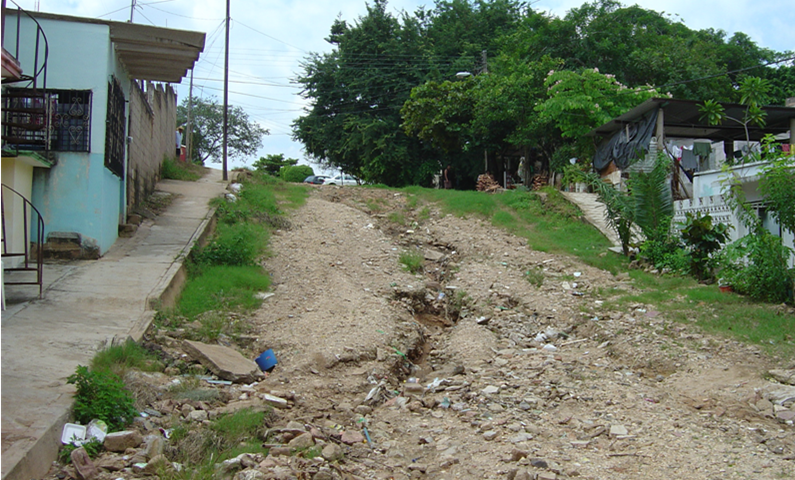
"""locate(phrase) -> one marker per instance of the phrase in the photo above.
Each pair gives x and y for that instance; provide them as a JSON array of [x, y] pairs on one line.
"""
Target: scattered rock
[[618, 430], [83, 464], [783, 376], [121, 441], [302, 441], [350, 437]]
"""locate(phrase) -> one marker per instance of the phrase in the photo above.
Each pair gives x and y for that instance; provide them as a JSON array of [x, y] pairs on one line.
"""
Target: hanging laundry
[[689, 159], [702, 149]]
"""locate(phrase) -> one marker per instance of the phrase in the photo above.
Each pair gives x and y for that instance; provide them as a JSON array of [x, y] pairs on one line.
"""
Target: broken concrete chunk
[[274, 401], [618, 430], [350, 437], [224, 362], [121, 441], [302, 441]]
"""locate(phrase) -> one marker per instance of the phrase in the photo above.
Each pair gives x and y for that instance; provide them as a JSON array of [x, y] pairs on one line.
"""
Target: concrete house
[[700, 149], [86, 130]]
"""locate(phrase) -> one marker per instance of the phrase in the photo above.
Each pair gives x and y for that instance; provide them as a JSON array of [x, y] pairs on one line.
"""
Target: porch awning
[[147, 52], [154, 53]]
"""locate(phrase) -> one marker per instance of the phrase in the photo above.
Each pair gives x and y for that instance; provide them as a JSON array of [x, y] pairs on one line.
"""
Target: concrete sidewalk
[[86, 305]]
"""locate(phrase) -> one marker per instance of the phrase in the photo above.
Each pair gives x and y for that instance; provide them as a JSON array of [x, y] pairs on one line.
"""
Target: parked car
[[316, 179], [339, 180]]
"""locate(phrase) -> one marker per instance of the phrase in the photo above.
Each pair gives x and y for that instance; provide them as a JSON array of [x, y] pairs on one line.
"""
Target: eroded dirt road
[[466, 370], [526, 381]]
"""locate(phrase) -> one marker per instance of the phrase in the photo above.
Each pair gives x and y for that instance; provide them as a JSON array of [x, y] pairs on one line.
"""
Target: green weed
[[102, 395], [119, 359], [93, 448], [535, 276], [176, 170], [396, 217], [413, 261]]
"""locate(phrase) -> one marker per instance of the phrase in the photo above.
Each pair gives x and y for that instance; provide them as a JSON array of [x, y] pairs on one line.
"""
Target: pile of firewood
[[486, 183], [538, 181]]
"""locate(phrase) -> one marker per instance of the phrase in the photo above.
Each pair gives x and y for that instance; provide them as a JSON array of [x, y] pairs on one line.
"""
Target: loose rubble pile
[[467, 371]]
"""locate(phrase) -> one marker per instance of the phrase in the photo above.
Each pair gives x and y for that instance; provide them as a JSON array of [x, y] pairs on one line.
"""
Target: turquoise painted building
[[91, 67]]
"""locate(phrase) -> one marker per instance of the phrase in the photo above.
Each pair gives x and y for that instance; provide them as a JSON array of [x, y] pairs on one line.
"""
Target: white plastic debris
[[550, 348]]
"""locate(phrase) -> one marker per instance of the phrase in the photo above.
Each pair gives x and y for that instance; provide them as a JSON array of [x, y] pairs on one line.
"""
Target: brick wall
[[153, 118]]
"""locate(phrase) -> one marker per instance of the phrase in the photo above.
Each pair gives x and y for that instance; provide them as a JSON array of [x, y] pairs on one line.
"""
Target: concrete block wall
[[153, 118]]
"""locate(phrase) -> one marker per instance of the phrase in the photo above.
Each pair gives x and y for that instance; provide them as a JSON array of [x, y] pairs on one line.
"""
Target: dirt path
[[530, 381]]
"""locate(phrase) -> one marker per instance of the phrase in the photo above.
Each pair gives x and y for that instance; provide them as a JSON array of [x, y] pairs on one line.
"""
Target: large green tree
[[383, 66], [244, 135]]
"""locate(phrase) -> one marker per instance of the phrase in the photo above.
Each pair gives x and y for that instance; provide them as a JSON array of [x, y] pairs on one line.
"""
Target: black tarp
[[624, 146]]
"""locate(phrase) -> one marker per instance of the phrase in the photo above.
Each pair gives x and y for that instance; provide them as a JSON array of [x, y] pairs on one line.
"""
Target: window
[[115, 129], [47, 120], [71, 125]]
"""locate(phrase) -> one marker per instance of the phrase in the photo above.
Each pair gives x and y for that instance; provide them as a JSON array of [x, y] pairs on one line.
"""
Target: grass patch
[[412, 260], [223, 288], [225, 275], [175, 170], [535, 276], [224, 438], [118, 359], [396, 217]]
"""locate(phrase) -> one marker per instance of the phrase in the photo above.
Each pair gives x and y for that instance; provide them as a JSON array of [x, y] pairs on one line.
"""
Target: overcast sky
[[269, 38]]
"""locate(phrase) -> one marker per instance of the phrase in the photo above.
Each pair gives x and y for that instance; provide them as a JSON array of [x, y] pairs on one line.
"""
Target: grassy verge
[[225, 276], [175, 170], [684, 300]]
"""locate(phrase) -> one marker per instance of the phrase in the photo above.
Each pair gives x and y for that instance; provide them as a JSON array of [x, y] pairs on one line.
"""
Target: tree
[[274, 162], [580, 102], [244, 136]]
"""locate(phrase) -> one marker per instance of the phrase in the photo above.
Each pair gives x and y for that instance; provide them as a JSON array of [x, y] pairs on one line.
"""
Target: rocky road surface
[[470, 371]]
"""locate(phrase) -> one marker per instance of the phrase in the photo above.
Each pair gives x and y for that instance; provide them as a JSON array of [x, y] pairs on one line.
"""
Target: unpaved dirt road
[[526, 381], [466, 370]]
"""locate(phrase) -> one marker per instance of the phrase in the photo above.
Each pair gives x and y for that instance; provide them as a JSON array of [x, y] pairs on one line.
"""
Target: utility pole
[[226, 92], [189, 126], [484, 59], [132, 9]]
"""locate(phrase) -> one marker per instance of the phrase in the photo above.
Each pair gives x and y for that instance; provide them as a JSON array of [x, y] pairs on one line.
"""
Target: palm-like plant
[[647, 203]]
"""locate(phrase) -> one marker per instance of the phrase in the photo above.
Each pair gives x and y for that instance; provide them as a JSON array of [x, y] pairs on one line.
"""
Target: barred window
[[71, 126], [47, 119], [115, 129]]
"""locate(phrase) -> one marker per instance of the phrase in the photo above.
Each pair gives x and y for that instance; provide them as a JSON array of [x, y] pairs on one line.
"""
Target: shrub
[[101, 395], [233, 245], [703, 239], [296, 174], [757, 265]]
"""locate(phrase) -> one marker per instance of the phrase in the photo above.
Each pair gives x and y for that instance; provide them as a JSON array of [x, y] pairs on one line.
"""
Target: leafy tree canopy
[[273, 162], [244, 135], [385, 103]]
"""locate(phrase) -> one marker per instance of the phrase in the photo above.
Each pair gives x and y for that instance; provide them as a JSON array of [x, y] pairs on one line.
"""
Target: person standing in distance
[[178, 136], [449, 177]]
